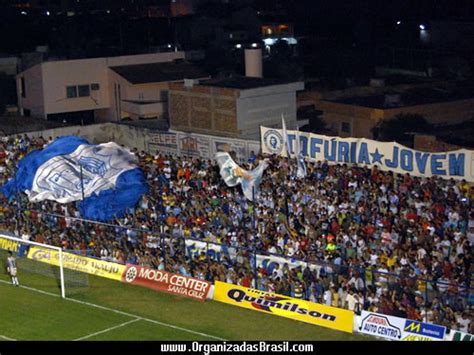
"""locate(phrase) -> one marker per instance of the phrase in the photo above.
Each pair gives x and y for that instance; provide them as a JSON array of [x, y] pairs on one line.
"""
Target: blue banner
[[425, 329]]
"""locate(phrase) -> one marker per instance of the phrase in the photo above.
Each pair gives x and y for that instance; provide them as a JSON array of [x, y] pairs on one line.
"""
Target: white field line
[[108, 329], [119, 312], [6, 338]]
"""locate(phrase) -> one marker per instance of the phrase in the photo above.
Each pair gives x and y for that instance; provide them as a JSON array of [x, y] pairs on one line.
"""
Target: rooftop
[[19, 124], [159, 72], [243, 82], [414, 96], [461, 134]]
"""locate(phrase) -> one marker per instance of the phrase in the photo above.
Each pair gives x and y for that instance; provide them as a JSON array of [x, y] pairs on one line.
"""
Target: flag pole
[[301, 170], [82, 183], [18, 202], [287, 209], [254, 237]]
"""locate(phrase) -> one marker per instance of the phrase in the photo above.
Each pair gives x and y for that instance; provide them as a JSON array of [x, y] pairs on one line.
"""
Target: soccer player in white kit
[[11, 268]]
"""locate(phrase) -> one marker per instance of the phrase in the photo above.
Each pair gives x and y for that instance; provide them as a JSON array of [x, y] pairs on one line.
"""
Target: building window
[[81, 90], [283, 30], [22, 88], [71, 92], [84, 90], [346, 127]]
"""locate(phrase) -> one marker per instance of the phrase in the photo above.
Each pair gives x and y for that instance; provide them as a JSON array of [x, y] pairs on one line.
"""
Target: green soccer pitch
[[110, 310]]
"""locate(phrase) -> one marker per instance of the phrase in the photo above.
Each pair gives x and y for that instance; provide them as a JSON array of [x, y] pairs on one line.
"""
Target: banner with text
[[388, 156], [194, 146], [395, 328], [163, 142], [284, 306], [79, 263], [231, 145], [194, 248], [9, 245], [200, 145], [167, 282]]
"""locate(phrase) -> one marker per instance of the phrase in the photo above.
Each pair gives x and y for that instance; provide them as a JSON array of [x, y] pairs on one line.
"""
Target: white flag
[[234, 175], [286, 143], [301, 171]]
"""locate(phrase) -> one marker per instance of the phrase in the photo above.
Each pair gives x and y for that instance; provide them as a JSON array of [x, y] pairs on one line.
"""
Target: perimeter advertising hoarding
[[79, 263], [456, 335], [284, 306], [167, 282], [396, 328], [8, 244]]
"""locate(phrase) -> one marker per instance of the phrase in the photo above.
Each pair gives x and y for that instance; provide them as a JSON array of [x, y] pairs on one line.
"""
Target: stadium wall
[[97, 133], [153, 141], [381, 326]]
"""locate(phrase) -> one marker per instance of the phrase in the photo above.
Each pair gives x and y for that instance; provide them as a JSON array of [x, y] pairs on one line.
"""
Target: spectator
[[362, 229]]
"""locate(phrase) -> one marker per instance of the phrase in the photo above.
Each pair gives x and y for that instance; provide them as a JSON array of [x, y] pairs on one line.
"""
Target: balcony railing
[[144, 108]]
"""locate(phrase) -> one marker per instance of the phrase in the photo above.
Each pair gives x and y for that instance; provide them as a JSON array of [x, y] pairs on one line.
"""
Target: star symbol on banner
[[377, 157]]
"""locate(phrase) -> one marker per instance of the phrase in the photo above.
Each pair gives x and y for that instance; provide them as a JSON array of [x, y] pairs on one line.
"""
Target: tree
[[401, 128]]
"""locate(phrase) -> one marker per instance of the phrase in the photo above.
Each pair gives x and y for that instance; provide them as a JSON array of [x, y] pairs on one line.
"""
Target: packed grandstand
[[370, 240]]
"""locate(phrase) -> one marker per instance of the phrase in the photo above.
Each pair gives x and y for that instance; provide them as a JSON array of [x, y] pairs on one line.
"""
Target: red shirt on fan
[[412, 215], [246, 281]]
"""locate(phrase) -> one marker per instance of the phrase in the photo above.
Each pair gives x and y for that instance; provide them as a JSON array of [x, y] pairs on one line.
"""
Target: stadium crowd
[[374, 240]]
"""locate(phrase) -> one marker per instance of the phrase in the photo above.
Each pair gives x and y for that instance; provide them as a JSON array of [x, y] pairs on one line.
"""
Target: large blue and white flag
[[70, 168], [234, 175]]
